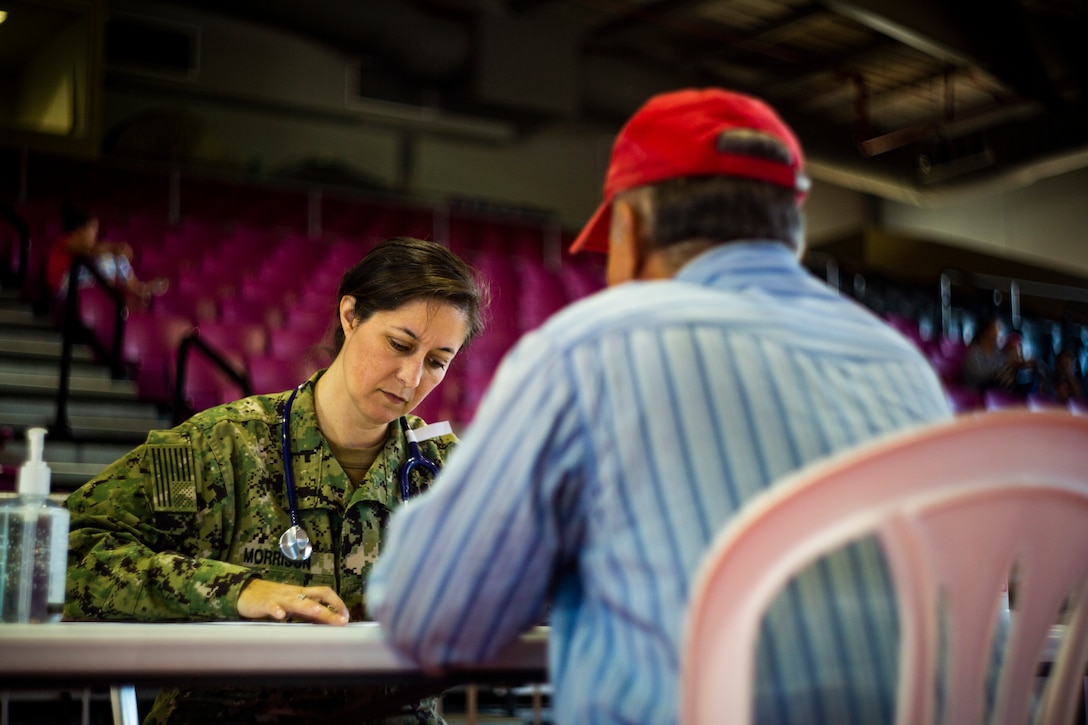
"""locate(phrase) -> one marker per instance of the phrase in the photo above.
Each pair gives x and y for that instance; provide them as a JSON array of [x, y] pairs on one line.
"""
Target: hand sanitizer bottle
[[33, 544]]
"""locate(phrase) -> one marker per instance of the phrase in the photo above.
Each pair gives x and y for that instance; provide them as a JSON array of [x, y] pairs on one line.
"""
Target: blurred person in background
[[986, 363], [1067, 379], [113, 260], [1027, 375]]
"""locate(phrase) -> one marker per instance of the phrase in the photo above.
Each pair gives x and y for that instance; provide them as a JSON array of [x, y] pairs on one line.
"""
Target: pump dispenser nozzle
[[34, 474]]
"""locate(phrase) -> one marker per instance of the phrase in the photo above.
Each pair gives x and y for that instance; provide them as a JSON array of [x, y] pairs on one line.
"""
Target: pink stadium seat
[[147, 230], [952, 348], [581, 279], [155, 262], [433, 408], [205, 385], [541, 293], [98, 313], [466, 396], [272, 375], [276, 282], [503, 328], [207, 283], [948, 369], [286, 343], [312, 324], [248, 310], [316, 295], [239, 338], [194, 308], [150, 350]]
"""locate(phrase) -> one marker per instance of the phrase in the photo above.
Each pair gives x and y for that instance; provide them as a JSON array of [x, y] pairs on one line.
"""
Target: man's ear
[[624, 252], [347, 314]]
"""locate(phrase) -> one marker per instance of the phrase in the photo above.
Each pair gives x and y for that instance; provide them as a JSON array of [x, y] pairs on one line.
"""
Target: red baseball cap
[[677, 134]]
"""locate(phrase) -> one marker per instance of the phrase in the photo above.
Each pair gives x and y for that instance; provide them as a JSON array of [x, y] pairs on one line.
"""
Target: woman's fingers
[[320, 605], [261, 599]]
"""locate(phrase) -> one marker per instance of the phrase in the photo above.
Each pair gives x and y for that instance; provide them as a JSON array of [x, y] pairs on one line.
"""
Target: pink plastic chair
[[955, 505]]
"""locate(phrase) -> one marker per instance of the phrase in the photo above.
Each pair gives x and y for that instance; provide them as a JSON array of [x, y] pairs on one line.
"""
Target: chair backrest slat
[[957, 506]]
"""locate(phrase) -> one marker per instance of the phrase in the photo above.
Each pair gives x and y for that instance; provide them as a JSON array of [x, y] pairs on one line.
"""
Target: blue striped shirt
[[613, 443]]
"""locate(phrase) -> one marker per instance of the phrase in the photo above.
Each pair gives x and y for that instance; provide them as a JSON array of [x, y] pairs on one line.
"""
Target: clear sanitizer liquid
[[33, 544]]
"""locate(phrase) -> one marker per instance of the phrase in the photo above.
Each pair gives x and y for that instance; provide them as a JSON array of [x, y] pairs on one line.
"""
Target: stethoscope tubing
[[285, 449], [415, 460], [296, 537]]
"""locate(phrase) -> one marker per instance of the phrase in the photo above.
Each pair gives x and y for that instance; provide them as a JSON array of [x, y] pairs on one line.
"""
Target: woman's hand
[[261, 599]]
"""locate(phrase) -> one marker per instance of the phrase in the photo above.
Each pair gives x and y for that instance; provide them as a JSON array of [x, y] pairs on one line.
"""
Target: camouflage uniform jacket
[[175, 529]]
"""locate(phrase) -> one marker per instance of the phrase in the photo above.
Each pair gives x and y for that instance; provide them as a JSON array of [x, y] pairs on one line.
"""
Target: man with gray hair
[[619, 438]]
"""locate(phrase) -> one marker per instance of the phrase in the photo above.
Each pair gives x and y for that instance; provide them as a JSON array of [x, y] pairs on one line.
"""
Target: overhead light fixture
[[3, 15]]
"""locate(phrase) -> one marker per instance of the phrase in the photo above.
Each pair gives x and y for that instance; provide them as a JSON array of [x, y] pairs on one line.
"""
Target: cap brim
[[594, 235]]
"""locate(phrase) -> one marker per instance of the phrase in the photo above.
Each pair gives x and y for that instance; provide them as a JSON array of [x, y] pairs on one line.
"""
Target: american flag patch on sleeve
[[173, 478]]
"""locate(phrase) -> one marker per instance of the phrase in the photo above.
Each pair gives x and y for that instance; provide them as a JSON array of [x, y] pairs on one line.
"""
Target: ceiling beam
[[635, 15]]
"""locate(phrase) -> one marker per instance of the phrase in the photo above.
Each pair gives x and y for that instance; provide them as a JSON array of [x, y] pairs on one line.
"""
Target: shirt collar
[[742, 265]]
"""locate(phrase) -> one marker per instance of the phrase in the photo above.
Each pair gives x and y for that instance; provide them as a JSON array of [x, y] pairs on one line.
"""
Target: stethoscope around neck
[[295, 542]]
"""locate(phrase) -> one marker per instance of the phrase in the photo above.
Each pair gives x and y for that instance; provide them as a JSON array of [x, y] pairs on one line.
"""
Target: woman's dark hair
[[401, 270]]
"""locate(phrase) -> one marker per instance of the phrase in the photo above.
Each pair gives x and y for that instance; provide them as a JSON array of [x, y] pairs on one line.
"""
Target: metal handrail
[[16, 277], [182, 409], [1015, 287], [73, 326]]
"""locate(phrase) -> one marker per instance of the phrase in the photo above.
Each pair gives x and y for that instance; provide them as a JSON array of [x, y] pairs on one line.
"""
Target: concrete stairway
[[106, 416]]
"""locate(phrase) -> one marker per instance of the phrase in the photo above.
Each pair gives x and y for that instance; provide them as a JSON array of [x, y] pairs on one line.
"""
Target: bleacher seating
[[247, 266]]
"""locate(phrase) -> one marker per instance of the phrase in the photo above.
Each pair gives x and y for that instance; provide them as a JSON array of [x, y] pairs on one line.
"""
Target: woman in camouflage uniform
[[187, 525]]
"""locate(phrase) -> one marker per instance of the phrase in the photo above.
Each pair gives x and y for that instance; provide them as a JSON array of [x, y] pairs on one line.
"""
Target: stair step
[[97, 428], [71, 452], [43, 407], [114, 427], [19, 317], [48, 383], [106, 418], [24, 366], [67, 477], [71, 464], [38, 344]]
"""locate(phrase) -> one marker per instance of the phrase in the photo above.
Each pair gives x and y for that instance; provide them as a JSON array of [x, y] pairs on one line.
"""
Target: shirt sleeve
[[467, 566], [145, 534]]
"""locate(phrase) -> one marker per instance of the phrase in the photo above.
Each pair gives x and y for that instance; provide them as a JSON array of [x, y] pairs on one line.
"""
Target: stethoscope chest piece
[[295, 544]]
